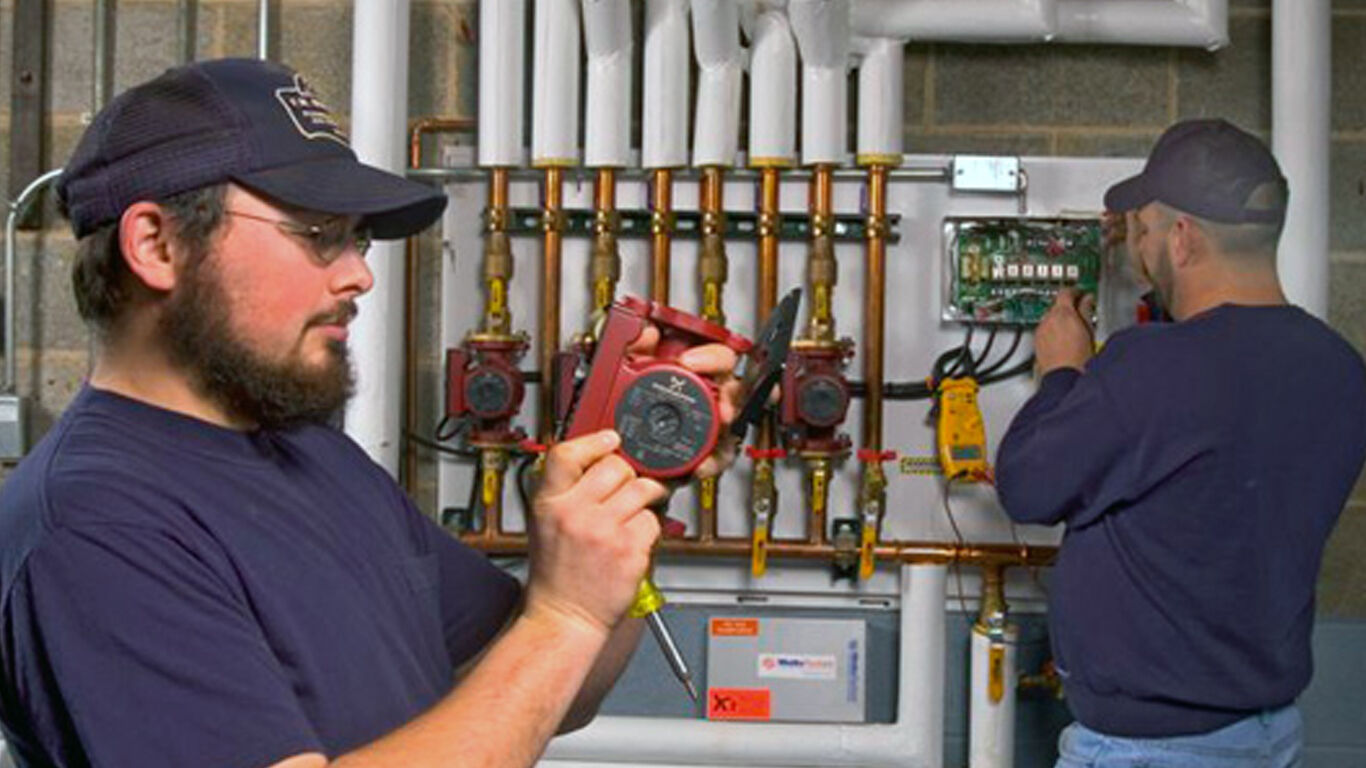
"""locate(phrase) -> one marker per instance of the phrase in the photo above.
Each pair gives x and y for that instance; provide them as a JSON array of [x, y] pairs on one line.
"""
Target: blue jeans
[[1269, 739]]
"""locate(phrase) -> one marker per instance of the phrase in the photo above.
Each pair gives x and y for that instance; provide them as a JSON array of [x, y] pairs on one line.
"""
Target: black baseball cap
[[248, 121], [1207, 168]]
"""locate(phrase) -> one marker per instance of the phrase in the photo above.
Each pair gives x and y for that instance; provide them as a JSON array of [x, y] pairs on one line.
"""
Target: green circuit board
[[1007, 270]]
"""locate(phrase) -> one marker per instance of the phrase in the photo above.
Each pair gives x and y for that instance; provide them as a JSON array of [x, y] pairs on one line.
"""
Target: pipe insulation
[[915, 740], [664, 119], [502, 34], [720, 63], [607, 37], [991, 726], [773, 92], [822, 31], [1185, 23], [379, 109], [1301, 84], [555, 87], [880, 103]]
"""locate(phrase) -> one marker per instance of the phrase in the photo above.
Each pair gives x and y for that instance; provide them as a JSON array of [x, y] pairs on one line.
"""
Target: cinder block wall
[[1028, 100]]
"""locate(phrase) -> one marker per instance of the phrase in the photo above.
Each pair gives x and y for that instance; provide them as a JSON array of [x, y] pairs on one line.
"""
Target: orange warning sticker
[[738, 704], [735, 627]]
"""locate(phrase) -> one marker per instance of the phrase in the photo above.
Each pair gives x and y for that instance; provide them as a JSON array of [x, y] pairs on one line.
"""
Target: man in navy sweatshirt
[[1199, 467]]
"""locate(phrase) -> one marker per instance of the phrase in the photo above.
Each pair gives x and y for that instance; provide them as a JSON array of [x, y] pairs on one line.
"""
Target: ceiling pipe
[[880, 107], [1301, 80], [379, 109], [772, 92], [608, 41], [720, 62], [822, 31], [668, 61], [914, 740], [1184, 23], [502, 30], [555, 90]]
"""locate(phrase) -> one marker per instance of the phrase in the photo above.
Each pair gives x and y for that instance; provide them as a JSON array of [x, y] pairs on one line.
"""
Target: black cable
[[986, 350], [1024, 366], [963, 357], [520, 479], [1014, 345], [463, 453]]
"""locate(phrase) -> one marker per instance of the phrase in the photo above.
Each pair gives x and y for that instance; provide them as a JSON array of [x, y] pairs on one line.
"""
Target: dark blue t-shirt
[[173, 593], [1199, 467]]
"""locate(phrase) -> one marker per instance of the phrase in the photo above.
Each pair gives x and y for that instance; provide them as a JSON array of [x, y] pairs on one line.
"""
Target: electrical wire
[[1014, 345], [461, 453]]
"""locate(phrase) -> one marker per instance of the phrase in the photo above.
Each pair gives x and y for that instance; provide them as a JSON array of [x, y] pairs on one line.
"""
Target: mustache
[[342, 314]]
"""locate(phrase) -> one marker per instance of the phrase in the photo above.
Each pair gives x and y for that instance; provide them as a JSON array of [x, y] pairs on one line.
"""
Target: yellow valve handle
[[758, 562], [996, 678], [648, 599], [707, 492], [866, 562], [491, 487], [820, 490]]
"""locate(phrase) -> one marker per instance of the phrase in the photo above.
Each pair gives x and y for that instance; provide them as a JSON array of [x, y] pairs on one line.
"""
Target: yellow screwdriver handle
[[648, 599]]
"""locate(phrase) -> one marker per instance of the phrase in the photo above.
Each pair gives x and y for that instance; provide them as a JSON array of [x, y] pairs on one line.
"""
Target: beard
[[249, 386]]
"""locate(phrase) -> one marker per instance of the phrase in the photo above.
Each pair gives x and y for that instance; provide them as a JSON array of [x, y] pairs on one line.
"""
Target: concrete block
[[316, 41], [1111, 86], [465, 22], [45, 308], [917, 111], [1349, 77], [1106, 145], [234, 26], [1233, 82], [987, 85], [6, 61], [1342, 580], [146, 34], [432, 76], [1005, 143], [1347, 299], [1347, 196], [71, 73], [51, 378]]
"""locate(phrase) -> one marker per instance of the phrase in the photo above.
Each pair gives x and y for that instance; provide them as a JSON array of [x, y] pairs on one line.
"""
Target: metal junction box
[[800, 670]]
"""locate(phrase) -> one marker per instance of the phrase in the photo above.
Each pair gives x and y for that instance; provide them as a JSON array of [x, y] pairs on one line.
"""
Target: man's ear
[[147, 245], [1186, 245]]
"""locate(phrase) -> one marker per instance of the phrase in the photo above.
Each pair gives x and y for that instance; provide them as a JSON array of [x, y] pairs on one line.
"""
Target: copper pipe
[[424, 125], [712, 261], [661, 229], [874, 307], [768, 242], [923, 552], [822, 269], [605, 262], [553, 224], [498, 262]]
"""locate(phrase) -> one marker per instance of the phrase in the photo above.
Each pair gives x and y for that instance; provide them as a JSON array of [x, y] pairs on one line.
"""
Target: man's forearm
[[505, 710], [609, 666]]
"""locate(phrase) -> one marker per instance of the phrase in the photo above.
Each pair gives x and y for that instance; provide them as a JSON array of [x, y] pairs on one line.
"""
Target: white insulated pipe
[[720, 63], [772, 92], [822, 31], [664, 108], [991, 724], [914, 740], [607, 37], [555, 86], [880, 103], [379, 112], [502, 32], [1185, 23], [1301, 80]]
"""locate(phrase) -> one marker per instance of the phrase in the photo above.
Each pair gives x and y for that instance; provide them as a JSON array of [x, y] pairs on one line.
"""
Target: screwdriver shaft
[[671, 653]]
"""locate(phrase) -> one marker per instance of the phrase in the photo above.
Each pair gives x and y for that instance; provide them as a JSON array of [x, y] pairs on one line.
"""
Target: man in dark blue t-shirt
[[194, 569], [1199, 467]]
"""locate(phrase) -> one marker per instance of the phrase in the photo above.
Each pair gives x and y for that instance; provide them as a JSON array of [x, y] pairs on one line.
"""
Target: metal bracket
[[688, 225]]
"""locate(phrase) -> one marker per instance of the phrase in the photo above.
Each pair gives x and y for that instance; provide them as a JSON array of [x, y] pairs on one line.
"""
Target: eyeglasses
[[327, 239]]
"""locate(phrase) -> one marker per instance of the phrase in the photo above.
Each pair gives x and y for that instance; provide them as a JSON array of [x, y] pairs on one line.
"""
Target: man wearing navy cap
[[1198, 465], [195, 570]]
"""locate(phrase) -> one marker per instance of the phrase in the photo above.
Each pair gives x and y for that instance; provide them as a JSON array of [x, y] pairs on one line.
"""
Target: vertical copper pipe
[[712, 269], [768, 268], [605, 262], [553, 224], [821, 265], [874, 320], [661, 205]]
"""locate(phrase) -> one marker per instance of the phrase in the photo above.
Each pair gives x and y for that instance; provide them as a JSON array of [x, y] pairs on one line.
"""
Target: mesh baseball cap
[[1208, 168], [252, 122]]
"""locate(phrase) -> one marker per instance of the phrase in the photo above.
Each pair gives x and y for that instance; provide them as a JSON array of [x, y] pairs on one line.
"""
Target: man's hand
[[717, 362], [1064, 338], [591, 533]]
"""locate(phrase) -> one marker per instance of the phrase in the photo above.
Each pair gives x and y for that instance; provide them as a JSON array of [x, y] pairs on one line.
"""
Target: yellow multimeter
[[960, 432]]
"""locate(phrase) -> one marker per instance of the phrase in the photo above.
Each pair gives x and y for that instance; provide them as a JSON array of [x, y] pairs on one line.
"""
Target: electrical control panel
[[1007, 270]]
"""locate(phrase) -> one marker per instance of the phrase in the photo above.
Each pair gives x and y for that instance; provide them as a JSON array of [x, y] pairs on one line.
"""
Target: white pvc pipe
[[880, 119], [1194, 23], [607, 38], [664, 119], [822, 31], [991, 724], [555, 88], [716, 41], [502, 30], [379, 111], [773, 92], [915, 740], [1301, 79]]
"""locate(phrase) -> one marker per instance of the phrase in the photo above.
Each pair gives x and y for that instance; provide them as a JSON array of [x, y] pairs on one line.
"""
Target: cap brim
[[1128, 195], [391, 205]]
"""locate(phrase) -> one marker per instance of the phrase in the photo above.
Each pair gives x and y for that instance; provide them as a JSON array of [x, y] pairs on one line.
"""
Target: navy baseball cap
[[248, 121], [1208, 168]]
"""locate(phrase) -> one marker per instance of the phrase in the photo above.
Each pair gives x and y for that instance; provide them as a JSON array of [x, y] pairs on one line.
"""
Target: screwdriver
[[648, 602]]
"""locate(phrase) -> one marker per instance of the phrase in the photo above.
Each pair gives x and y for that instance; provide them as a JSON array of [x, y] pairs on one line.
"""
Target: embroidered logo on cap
[[308, 113]]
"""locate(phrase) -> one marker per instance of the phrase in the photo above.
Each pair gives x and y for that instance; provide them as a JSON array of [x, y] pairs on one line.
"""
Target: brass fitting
[[497, 273], [763, 503], [713, 269], [872, 505], [818, 470]]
